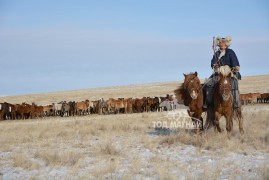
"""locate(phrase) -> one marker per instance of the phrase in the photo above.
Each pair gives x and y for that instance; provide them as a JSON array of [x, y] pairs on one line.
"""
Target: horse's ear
[[184, 75], [196, 74]]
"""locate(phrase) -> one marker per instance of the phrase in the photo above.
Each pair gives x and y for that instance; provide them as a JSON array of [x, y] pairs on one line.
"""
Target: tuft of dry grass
[[20, 160], [108, 148], [57, 158], [107, 172], [136, 165]]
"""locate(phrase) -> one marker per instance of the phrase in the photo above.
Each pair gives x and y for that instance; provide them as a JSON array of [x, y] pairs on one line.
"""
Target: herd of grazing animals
[[253, 98], [111, 106]]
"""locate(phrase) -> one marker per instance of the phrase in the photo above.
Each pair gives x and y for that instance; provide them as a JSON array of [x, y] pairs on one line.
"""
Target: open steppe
[[127, 146]]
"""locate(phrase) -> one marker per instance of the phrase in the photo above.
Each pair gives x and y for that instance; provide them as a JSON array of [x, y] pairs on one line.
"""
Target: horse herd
[[253, 98], [111, 106]]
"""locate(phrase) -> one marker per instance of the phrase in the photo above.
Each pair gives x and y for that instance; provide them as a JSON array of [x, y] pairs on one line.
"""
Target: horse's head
[[225, 86], [192, 84]]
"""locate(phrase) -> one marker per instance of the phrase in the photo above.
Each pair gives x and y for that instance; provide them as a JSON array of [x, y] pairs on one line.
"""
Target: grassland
[[127, 146]]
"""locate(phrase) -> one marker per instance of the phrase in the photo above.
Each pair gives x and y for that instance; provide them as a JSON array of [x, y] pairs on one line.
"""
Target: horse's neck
[[187, 98]]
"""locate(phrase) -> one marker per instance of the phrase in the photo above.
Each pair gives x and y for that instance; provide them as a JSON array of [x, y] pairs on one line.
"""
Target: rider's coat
[[229, 59]]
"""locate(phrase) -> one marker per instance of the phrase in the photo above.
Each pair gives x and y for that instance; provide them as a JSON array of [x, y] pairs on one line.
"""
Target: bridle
[[190, 81]]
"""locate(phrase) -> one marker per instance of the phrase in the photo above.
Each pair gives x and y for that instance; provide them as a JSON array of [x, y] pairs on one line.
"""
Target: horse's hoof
[[220, 130]]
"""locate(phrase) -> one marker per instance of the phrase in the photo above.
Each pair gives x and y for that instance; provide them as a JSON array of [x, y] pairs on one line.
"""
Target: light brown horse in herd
[[116, 105]]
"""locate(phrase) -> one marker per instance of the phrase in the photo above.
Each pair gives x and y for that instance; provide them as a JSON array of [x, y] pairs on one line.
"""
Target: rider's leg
[[235, 93], [209, 90]]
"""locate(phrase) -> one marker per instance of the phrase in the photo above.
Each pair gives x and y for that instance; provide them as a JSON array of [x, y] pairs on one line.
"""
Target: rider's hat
[[227, 40]]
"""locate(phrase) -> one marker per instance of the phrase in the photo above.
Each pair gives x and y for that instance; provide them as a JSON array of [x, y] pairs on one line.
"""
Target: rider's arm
[[213, 62], [234, 61]]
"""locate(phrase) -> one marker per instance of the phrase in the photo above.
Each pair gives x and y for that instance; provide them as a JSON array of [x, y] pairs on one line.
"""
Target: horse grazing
[[223, 103], [191, 93]]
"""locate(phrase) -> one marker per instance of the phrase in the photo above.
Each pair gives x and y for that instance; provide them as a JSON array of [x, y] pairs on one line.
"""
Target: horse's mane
[[225, 70], [180, 92]]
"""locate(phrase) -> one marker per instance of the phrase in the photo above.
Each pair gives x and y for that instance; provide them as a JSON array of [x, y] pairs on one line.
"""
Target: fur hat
[[227, 40]]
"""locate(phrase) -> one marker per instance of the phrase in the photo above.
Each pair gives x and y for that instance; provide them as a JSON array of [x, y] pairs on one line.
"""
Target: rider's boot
[[236, 102]]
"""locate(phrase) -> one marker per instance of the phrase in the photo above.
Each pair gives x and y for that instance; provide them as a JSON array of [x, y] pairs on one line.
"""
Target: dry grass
[[109, 171], [107, 148], [106, 144], [58, 158], [21, 160], [255, 138]]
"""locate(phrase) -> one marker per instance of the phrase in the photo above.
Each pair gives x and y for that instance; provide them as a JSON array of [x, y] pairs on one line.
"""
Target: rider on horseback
[[224, 57]]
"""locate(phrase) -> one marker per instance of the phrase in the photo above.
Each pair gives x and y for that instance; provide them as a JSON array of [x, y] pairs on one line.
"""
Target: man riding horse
[[223, 57]]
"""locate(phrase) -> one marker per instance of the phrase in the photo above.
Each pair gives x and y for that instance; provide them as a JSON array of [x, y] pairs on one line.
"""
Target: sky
[[48, 46]]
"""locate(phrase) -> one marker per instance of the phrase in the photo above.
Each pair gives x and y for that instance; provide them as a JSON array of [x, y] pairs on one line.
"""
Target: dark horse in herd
[[193, 94]]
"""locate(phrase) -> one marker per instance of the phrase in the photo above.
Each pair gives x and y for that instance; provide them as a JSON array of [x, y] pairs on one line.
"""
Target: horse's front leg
[[216, 121], [229, 123], [199, 116]]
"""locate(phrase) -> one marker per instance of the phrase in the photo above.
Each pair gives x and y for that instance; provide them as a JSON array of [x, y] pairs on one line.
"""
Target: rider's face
[[222, 45]]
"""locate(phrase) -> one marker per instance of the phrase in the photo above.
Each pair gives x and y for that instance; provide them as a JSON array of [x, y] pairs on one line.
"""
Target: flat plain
[[127, 146]]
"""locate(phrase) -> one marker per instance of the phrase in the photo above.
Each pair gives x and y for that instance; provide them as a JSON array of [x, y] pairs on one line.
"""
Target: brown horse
[[192, 94], [116, 105], [138, 105], [223, 104], [24, 110]]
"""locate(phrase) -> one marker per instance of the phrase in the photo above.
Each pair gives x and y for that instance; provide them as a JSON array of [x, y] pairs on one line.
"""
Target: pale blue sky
[[62, 45]]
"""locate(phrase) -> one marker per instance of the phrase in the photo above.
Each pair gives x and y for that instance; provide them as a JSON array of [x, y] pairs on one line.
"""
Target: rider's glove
[[215, 66], [236, 68]]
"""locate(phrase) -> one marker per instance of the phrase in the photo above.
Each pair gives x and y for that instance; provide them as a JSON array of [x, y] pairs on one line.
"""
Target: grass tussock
[[57, 158], [108, 148], [21, 160], [109, 171]]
